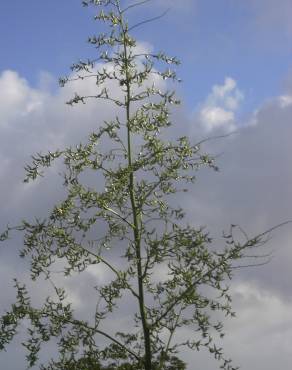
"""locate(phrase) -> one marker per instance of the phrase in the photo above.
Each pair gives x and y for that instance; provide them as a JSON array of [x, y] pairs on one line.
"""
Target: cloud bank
[[253, 190]]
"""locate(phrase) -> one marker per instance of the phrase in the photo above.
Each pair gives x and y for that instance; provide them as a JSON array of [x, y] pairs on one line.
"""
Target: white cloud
[[219, 109], [217, 117], [17, 97], [285, 101], [100, 273], [263, 328]]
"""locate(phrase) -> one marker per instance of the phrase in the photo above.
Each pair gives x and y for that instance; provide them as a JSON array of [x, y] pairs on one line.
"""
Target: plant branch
[[209, 271], [149, 20], [111, 267], [119, 216], [134, 5], [80, 323], [172, 330]]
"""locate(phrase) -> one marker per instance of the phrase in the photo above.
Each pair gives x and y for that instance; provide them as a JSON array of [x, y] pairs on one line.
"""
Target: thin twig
[[118, 215], [172, 330], [119, 343], [134, 5], [149, 20], [251, 265], [210, 138]]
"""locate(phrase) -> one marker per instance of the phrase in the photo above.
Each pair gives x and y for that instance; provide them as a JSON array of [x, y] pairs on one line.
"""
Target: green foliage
[[132, 216], [87, 363]]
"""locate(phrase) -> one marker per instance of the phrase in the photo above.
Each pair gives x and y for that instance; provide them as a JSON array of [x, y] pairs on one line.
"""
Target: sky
[[236, 77]]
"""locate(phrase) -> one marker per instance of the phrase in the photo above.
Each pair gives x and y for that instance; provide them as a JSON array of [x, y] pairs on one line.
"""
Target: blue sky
[[214, 39], [237, 76]]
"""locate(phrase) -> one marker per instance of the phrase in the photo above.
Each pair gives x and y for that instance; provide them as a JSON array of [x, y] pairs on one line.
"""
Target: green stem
[[136, 229], [172, 330]]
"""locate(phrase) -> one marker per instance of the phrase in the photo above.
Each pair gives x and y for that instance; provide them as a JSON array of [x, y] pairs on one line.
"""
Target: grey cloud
[[258, 338], [253, 189]]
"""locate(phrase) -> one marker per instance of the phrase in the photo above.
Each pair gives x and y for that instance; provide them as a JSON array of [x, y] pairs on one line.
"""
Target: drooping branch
[[149, 20]]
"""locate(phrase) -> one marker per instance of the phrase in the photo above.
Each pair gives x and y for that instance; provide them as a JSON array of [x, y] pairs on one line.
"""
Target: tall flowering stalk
[[162, 267]]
